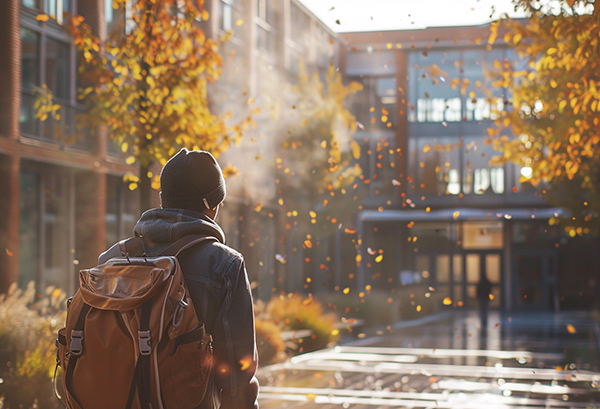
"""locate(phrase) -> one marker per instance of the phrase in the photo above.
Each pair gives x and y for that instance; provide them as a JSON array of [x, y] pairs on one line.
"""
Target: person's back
[[192, 188]]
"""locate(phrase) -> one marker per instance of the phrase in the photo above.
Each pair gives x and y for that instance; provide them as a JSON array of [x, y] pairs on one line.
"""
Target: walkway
[[447, 361]]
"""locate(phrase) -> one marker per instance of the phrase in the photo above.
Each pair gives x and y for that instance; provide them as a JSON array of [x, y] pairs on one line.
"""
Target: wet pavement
[[521, 360]]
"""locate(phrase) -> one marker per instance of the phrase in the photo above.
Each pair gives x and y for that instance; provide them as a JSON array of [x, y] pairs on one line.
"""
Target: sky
[[380, 15]]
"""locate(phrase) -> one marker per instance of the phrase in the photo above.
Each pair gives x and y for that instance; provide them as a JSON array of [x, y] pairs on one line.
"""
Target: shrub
[[271, 347], [27, 351], [295, 313]]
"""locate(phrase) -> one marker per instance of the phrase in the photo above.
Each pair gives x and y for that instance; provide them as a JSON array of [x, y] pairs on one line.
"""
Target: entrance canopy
[[459, 214]]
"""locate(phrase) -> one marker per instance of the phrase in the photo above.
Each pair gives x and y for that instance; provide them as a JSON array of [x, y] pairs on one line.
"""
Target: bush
[[271, 347], [295, 313], [27, 351]]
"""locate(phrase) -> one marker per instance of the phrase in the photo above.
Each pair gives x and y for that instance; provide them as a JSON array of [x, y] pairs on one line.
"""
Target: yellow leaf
[[41, 17], [447, 301], [517, 38], [308, 244], [245, 363], [239, 22], [455, 215], [130, 160], [562, 104], [204, 14], [346, 290], [379, 258], [358, 258], [571, 329], [355, 149]]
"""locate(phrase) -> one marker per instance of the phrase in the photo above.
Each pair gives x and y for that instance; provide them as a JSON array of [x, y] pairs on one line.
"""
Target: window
[[299, 42], [266, 22], [46, 227], [121, 210], [30, 73], [56, 71], [478, 176], [451, 86], [230, 12], [435, 163], [375, 106], [54, 8], [431, 91]]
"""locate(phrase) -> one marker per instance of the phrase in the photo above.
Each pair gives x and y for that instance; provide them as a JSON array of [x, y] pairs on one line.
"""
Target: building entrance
[[455, 275], [534, 280]]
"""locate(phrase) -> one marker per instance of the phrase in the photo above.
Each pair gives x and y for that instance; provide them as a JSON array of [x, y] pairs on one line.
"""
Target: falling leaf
[[348, 231], [337, 22], [41, 17], [9, 253], [308, 244], [358, 258], [355, 149], [455, 214], [447, 301], [395, 182], [379, 258], [307, 301], [239, 22], [258, 207], [346, 290], [571, 329], [280, 258], [246, 362]]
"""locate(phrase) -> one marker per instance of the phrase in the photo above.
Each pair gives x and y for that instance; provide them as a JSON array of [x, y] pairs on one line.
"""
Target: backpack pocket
[[185, 374]]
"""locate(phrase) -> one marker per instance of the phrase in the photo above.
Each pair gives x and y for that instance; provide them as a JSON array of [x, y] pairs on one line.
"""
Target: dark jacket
[[220, 291]]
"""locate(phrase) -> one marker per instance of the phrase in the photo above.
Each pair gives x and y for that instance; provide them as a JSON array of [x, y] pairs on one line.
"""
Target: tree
[[146, 85], [555, 113], [314, 164]]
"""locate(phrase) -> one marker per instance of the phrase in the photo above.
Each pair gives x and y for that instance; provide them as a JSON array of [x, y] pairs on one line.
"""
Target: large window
[[451, 85], [453, 165], [47, 58]]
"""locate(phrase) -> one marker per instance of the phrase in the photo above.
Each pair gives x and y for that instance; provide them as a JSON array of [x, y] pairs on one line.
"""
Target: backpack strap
[[141, 375], [76, 348]]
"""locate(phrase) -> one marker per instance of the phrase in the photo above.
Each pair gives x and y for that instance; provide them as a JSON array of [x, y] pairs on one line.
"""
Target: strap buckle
[[144, 339], [76, 347]]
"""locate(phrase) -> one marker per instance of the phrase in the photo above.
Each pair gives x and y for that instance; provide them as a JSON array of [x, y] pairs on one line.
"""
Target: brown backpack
[[132, 338]]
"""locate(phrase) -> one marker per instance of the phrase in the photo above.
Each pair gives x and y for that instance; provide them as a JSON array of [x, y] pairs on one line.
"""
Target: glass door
[[489, 262]]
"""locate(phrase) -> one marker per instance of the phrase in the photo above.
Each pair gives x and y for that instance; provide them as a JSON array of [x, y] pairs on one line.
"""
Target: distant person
[[484, 289], [192, 189]]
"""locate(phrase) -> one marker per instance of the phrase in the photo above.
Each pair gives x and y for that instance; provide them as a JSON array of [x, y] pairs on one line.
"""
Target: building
[[438, 211], [433, 207], [63, 199]]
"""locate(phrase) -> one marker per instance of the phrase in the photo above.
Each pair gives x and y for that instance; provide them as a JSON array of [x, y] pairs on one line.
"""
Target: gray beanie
[[192, 180]]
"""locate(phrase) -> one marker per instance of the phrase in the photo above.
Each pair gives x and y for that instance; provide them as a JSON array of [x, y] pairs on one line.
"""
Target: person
[[484, 289], [192, 190]]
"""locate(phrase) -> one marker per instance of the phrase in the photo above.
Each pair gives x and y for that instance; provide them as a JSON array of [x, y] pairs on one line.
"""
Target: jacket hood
[[170, 225]]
